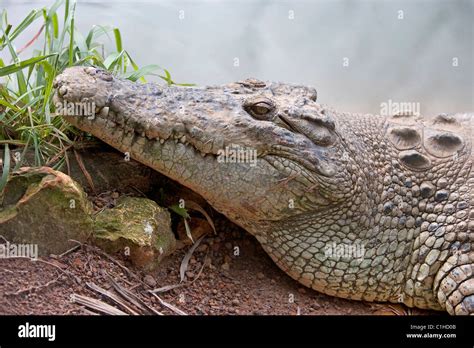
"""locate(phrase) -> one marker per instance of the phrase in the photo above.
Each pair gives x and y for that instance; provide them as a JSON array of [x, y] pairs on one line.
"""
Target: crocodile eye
[[260, 109]]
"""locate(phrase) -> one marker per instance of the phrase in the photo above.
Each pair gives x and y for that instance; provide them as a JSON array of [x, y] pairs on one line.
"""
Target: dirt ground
[[217, 283]]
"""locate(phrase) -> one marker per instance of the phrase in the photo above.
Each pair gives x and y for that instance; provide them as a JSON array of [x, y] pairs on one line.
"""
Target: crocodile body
[[362, 207]]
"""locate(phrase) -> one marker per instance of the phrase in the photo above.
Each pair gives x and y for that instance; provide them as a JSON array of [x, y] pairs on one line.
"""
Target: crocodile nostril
[[62, 91], [90, 70]]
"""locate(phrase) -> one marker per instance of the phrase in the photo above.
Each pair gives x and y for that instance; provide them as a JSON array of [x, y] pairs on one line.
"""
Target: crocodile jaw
[[188, 144]]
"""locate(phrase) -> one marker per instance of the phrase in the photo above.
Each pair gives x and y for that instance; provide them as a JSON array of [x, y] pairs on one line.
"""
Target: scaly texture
[[356, 206]]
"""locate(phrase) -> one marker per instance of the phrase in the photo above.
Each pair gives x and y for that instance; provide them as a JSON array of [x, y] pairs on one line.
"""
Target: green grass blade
[[81, 45], [14, 68], [167, 77], [54, 21], [30, 18], [118, 45], [66, 12], [54, 8], [6, 168], [139, 73], [26, 96], [50, 75], [96, 32], [19, 73], [112, 60], [180, 211], [118, 40], [71, 35], [8, 105]]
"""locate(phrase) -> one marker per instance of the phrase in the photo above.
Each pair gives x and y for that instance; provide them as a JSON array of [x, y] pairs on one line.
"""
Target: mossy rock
[[48, 208], [137, 228], [44, 207]]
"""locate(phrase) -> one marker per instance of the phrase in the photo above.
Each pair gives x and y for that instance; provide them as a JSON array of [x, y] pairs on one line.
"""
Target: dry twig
[[97, 305]]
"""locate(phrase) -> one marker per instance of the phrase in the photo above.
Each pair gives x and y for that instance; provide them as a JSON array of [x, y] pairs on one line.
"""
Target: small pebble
[[149, 280], [260, 275], [225, 266]]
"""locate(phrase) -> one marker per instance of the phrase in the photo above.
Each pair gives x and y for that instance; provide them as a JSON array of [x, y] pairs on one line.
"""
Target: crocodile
[[357, 206]]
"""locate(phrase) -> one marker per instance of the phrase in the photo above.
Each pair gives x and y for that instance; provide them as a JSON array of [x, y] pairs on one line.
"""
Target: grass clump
[[26, 83]]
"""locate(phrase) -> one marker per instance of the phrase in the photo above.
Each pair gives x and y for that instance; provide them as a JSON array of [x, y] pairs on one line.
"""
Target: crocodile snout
[[84, 84]]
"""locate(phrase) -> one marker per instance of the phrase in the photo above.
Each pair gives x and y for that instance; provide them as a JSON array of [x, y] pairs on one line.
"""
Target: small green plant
[[183, 212], [26, 88]]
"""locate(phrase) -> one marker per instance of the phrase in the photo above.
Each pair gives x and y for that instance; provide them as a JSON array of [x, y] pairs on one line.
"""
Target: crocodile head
[[258, 152]]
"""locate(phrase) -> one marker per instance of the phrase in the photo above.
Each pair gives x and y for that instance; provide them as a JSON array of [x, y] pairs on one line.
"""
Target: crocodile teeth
[[183, 139], [104, 111], [162, 141]]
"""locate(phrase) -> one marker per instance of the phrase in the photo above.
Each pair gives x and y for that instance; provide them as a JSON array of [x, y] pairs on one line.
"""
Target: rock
[[44, 207], [138, 228], [260, 275], [149, 280], [235, 302]]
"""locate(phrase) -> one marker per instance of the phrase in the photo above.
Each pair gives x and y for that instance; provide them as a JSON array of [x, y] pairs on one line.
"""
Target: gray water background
[[403, 60]]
